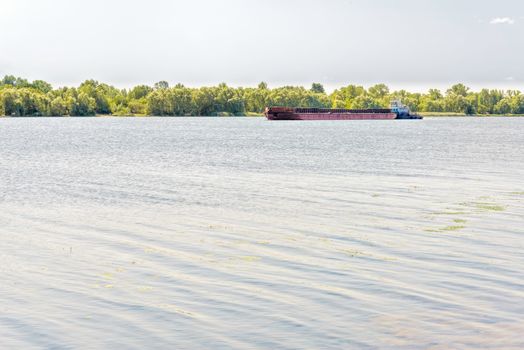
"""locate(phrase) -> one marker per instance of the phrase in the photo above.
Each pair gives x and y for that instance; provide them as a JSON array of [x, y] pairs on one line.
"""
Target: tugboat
[[397, 111], [402, 111]]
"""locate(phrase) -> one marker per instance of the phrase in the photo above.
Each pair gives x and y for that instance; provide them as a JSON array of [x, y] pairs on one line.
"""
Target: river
[[239, 233]]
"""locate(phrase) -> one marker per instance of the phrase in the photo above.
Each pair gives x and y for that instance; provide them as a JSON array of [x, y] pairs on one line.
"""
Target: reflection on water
[[242, 233]]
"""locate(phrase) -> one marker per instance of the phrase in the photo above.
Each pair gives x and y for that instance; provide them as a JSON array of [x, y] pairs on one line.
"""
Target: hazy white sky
[[405, 43]]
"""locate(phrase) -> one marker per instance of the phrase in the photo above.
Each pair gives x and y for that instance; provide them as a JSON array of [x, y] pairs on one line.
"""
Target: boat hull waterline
[[287, 113]]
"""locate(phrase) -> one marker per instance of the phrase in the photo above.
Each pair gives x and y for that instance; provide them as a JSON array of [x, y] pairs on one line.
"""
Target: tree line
[[20, 97]]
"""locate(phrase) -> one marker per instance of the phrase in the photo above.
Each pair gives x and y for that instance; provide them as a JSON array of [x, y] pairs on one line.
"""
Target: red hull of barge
[[333, 116]]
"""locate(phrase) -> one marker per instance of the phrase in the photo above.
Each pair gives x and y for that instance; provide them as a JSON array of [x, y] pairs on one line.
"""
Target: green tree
[[158, 103], [204, 101], [517, 104], [343, 98], [41, 86], [8, 80], [318, 88], [182, 100], [83, 105], [59, 107], [161, 85], [487, 100], [16, 82], [378, 91], [256, 99], [262, 86], [503, 106], [101, 93], [435, 94], [433, 101], [11, 103], [458, 90], [138, 106], [364, 102], [139, 92]]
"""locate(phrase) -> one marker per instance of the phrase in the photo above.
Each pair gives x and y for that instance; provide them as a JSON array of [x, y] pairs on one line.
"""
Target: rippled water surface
[[239, 233]]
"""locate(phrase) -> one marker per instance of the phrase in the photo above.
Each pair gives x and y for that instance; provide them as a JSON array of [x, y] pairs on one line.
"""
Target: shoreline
[[447, 115], [253, 115]]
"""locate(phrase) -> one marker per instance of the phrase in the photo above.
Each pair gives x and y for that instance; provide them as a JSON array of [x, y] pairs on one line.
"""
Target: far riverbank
[[254, 115]]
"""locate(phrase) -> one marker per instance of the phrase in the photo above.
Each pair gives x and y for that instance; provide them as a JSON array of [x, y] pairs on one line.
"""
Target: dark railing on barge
[[339, 110]]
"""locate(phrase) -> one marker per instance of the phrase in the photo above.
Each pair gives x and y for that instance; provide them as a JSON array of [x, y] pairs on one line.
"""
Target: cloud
[[502, 20]]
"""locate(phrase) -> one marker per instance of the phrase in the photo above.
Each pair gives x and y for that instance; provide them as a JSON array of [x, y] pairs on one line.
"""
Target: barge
[[397, 111]]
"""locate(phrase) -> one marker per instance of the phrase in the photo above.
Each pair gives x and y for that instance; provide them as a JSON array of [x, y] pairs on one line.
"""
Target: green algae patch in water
[[485, 206], [517, 193], [452, 228], [249, 258], [490, 207], [432, 230]]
